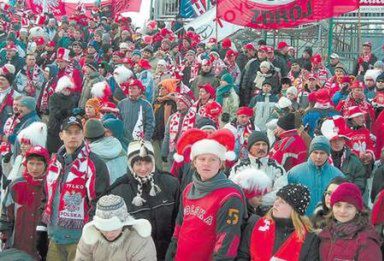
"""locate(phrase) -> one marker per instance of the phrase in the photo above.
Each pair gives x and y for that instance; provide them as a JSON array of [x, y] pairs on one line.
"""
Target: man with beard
[[205, 76], [258, 149]]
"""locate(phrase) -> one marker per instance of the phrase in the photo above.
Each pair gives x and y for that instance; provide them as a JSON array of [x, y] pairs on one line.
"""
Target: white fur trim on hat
[[122, 74], [292, 90], [208, 146], [36, 133], [178, 158], [283, 102], [63, 83], [99, 89], [373, 74], [251, 179]]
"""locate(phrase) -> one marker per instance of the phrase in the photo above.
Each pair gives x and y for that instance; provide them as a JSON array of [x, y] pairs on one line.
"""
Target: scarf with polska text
[[76, 191]]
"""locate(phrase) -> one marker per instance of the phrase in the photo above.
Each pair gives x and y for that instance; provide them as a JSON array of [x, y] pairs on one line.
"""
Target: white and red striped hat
[[335, 127], [355, 111], [63, 54]]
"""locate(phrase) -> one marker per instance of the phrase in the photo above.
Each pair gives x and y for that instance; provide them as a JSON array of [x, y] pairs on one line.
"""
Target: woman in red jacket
[[212, 207], [349, 234]]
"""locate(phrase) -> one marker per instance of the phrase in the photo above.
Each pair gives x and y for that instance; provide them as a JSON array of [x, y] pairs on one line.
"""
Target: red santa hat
[[282, 45], [40, 20], [38, 151], [102, 91], [220, 143], [226, 43], [209, 89], [63, 54], [252, 181], [35, 134], [144, 63], [7, 69], [354, 111], [122, 74], [245, 111], [65, 82], [335, 127], [316, 59]]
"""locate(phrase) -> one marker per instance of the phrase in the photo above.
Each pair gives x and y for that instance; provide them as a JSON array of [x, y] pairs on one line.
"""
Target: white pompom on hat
[[101, 90], [35, 134], [252, 181], [220, 143], [122, 74], [65, 82], [335, 127]]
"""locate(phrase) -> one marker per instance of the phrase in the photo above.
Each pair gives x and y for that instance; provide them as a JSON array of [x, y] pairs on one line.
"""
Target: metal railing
[[166, 9]]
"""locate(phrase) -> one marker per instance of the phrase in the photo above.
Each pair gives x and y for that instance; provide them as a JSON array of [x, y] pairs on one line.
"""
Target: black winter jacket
[[160, 210]]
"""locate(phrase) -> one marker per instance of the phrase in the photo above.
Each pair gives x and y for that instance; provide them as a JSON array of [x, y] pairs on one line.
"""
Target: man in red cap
[[136, 112], [361, 141], [319, 69], [12, 57], [282, 56], [323, 109], [366, 60], [277, 61], [232, 67], [356, 97], [242, 127], [226, 45], [29, 80], [144, 74]]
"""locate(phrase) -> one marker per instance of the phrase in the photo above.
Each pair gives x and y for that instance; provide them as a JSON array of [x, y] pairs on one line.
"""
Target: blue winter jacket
[[315, 178]]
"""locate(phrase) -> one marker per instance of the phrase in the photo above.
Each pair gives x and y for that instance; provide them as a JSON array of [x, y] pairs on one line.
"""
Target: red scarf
[[8, 101], [47, 92], [175, 130], [9, 127], [32, 80], [262, 241], [76, 191]]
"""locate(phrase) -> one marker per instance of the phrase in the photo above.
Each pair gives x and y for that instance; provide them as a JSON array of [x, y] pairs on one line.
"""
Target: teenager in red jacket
[[212, 207], [290, 149], [284, 233], [349, 234], [20, 217]]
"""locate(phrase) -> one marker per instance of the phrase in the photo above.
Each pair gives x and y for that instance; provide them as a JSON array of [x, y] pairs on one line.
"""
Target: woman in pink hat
[[349, 234]]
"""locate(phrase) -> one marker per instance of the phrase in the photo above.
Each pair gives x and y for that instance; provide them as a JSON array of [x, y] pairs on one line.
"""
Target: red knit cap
[[209, 89], [245, 111], [348, 192]]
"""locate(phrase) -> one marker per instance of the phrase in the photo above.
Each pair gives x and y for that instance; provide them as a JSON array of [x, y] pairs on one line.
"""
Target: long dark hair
[[336, 181]]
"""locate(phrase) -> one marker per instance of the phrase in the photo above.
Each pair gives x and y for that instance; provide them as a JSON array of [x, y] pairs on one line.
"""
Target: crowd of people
[[120, 143]]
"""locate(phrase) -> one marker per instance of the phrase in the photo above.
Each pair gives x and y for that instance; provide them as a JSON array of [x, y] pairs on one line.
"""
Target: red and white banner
[[68, 7], [276, 14]]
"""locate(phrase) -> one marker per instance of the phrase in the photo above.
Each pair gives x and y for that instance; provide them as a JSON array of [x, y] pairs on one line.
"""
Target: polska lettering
[[198, 212]]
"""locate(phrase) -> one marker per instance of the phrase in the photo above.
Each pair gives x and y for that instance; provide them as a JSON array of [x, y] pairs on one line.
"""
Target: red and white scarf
[[76, 192], [9, 127], [263, 239], [33, 80], [175, 130]]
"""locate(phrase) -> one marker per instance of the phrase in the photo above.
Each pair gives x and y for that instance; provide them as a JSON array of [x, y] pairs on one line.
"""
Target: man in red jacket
[[289, 149]]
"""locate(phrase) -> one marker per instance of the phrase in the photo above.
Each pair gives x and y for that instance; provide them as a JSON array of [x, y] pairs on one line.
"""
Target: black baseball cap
[[71, 121]]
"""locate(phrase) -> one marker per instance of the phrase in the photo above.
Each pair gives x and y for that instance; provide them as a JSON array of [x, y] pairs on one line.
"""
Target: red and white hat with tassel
[[220, 143], [102, 91]]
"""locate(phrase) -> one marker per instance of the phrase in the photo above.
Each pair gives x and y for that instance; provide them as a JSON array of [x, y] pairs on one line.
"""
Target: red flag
[[56, 7], [120, 6], [276, 14]]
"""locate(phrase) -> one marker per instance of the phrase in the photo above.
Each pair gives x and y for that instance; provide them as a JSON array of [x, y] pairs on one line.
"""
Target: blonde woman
[[284, 233]]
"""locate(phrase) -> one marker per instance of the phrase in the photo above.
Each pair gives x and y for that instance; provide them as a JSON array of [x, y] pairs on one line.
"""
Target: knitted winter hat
[[205, 123], [348, 192], [247, 111], [257, 136], [297, 196], [252, 181], [287, 122], [112, 214], [28, 102], [142, 149], [292, 90], [227, 78], [185, 98], [283, 103], [116, 126], [8, 72], [94, 129], [320, 143], [265, 64]]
